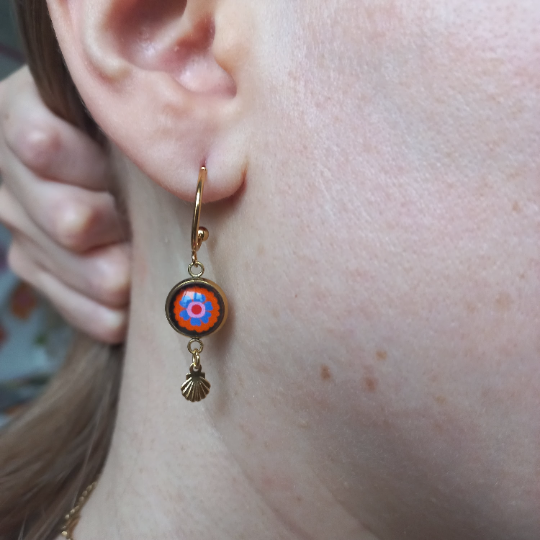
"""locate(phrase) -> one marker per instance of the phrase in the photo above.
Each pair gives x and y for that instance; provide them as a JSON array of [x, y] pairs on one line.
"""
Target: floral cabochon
[[196, 308]]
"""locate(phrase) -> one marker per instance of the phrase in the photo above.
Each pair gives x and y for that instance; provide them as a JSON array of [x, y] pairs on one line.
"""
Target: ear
[[160, 77]]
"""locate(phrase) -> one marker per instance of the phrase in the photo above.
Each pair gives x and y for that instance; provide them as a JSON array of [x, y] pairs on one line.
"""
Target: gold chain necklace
[[74, 515]]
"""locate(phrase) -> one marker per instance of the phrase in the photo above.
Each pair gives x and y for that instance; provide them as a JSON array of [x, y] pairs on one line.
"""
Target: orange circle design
[[210, 297]]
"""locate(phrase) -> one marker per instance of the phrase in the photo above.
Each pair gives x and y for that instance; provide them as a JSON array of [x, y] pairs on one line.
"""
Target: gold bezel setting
[[203, 283]]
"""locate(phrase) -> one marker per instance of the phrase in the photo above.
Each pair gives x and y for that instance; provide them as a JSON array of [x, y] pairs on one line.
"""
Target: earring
[[196, 307]]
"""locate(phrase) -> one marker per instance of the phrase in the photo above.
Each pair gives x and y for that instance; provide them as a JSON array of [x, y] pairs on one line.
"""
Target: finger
[[102, 274], [74, 217], [102, 323], [46, 144]]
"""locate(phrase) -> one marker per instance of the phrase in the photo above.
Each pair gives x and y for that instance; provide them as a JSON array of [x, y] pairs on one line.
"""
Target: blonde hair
[[58, 446]]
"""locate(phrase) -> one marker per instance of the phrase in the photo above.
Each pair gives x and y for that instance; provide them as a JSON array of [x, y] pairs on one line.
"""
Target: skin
[[374, 173], [67, 237]]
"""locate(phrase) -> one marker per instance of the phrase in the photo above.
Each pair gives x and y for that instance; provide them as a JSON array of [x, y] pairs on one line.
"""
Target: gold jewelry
[[74, 515], [196, 307]]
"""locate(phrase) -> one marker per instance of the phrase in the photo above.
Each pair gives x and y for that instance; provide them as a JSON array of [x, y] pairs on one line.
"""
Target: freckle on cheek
[[381, 356], [370, 383], [325, 373], [438, 427], [503, 302]]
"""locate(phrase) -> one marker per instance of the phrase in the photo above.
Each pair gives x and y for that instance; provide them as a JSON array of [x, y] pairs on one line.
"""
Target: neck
[[238, 464]]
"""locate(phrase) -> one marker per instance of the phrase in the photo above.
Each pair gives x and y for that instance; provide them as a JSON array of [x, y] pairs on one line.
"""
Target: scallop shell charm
[[196, 386]]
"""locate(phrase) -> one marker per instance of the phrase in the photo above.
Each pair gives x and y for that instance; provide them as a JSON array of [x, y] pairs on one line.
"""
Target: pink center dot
[[196, 310]]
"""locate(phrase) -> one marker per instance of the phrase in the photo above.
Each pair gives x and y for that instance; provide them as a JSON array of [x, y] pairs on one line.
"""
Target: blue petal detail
[[198, 297], [205, 318], [185, 301], [208, 306], [195, 322], [184, 315]]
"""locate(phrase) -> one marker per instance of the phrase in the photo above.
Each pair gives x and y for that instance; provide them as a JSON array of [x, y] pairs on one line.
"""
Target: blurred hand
[[68, 238]]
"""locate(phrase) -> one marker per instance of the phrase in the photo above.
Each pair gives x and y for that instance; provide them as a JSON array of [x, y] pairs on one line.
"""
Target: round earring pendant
[[196, 307]]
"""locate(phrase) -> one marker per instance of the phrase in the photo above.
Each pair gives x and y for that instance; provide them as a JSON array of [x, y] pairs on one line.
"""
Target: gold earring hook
[[198, 234]]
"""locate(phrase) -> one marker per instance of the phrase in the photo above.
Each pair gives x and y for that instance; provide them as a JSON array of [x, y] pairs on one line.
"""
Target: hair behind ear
[[58, 446], [50, 454], [48, 68]]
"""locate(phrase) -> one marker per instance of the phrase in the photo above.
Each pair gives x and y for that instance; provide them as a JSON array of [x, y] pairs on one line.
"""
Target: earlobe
[[149, 75]]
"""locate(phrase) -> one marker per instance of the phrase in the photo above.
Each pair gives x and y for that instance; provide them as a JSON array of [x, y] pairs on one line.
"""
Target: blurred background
[[33, 339], [10, 55]]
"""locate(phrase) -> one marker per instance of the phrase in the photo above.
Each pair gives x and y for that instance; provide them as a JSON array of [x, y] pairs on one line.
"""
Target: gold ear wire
[[198, 234]]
